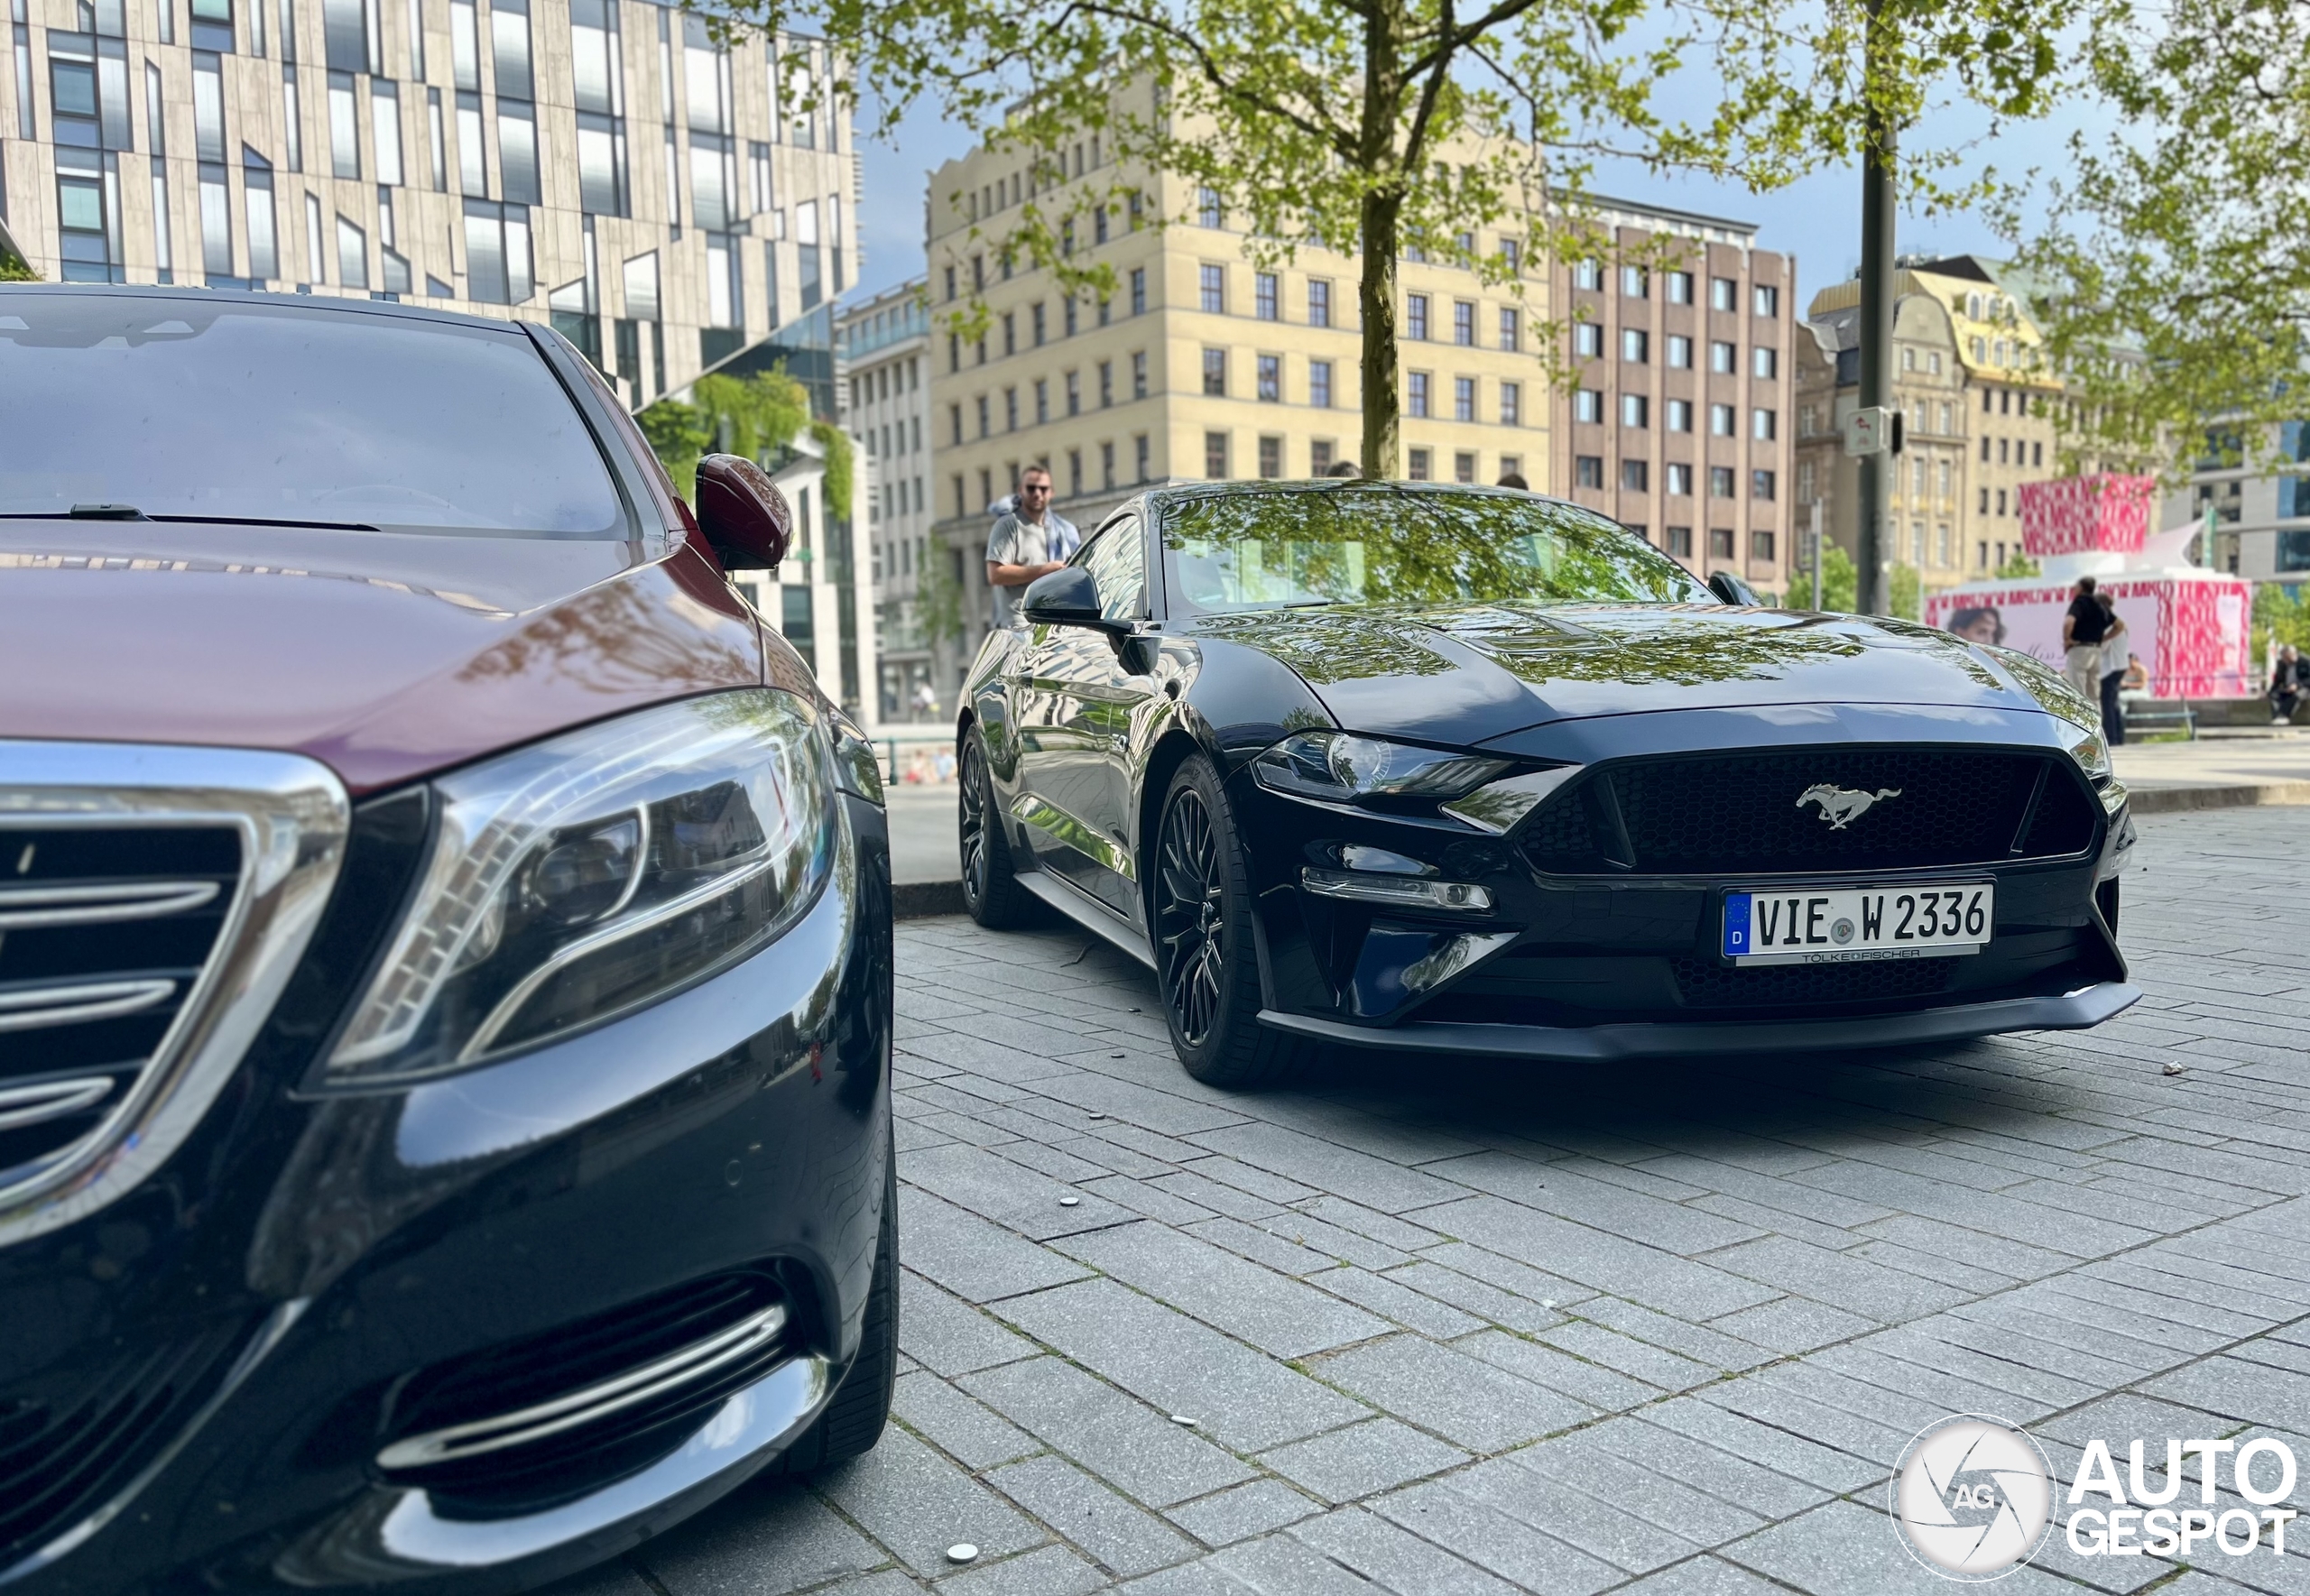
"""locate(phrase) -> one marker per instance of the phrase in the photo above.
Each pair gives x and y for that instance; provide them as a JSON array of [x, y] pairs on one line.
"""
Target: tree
[[2176, 263], [1840, 584], [757, 417], [2019, 564], [1905, 593]]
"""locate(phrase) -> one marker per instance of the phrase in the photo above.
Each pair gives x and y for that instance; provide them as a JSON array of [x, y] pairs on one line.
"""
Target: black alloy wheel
[[1206, 962], [991, 889]]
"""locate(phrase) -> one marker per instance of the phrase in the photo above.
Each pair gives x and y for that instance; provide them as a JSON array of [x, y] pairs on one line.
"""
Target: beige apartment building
[[1676, 423], [1980, 407], [1201, 365], [599, 163]]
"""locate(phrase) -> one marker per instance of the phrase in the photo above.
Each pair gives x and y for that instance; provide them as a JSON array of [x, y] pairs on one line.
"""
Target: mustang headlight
[[580, 878], [1339, 768], [2088, 749]]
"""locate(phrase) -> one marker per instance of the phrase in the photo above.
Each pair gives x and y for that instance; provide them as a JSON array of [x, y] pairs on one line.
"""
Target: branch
[[1451, 41], [1211, 68]]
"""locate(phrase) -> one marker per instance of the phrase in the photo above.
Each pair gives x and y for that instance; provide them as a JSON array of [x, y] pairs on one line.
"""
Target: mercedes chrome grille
[[153, 902]]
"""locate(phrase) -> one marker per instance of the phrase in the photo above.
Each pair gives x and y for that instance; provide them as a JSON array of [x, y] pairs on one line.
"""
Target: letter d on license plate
[[1828, 926]]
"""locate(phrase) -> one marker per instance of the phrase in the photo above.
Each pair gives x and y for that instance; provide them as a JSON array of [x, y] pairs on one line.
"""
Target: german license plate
[[1832, 925]]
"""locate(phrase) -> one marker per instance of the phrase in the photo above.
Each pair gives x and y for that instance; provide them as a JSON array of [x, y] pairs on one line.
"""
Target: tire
[[1206, 965], [991, 889], [851, 1424]]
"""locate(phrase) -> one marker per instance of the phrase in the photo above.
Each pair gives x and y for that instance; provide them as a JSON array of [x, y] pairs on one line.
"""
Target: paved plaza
[[1435, 1327]]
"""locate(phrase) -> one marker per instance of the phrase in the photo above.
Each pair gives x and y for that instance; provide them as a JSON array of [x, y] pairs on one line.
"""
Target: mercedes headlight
[[1339, 768], [579, 879]]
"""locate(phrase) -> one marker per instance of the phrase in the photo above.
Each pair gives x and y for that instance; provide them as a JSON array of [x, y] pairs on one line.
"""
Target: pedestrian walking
[[2288, 683], [1032, 540], [2112, 667], [2081, 639]]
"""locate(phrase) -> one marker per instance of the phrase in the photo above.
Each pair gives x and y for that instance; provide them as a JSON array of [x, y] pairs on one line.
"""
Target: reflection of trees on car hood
[[1687, 645]]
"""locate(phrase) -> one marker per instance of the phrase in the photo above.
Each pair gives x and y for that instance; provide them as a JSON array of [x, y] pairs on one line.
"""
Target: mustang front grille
[[1813, 809]]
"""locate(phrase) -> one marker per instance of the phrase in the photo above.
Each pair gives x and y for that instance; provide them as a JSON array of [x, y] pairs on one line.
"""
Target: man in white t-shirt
[[1033, 540]]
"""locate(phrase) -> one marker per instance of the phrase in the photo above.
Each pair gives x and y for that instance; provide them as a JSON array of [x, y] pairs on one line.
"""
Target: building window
[[1761, 484], [1421, 465], [1010, 409], [344, 135], [1463, 324], [1319, 456], [1680, 292], [1723, 357], [1213, 280], [1587, 404], [1764, 426], [1720, 420], [1678, 540], [1720, 542], [984, 427], [1636, 410], [1106, 385], [1724, 294], [1464, 399], [1764, 363], [1208, 212], [1214, 373], [1587, 339], [1588, 471], [1263, 305], [1042, 400], [1143, 453], [1512, 404], [1139, 373], [1768, 301], [1107, 464], [1511, 326], [1319, 302], [1588, 274], [1319, 384], [1680, 415], [1271, 457], [1635, 346], [1139, 290], [1416, 318], [1636, 477], [1720, 482], [1075, 473], [352, 255], [1417, 404], [1035, 320], [1680, 352], [1634, 284], [1463, 466], [2036, 454], [1680, 479], [2001, 504], [1215, 455], [1270, 375], [1511, 464]]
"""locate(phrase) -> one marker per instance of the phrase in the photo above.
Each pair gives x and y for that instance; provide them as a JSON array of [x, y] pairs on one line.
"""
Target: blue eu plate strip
[[1736, 924]]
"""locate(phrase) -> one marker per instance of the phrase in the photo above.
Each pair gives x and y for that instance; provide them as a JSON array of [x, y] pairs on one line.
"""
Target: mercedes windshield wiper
[[130, 513]]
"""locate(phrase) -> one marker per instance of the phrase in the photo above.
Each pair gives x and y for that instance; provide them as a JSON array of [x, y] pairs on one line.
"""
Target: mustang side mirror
[[1733, 591], [743, 514], [1067, 597]]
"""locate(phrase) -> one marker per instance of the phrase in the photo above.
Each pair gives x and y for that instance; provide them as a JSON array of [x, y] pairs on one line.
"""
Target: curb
[[2177, 801], [914, 900]]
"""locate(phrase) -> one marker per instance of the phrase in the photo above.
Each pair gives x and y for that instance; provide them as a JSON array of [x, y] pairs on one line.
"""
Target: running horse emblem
[[1842, 805]]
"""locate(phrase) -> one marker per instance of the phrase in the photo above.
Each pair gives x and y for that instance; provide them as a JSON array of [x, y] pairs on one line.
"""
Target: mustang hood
[[1468, 673], [386, 655]]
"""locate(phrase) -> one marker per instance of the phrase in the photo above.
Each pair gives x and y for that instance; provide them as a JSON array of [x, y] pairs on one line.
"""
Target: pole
[[1877, 221], [1819, 602]]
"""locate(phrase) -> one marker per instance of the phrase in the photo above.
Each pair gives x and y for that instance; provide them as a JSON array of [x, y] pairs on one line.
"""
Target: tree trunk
[[1376, 301]]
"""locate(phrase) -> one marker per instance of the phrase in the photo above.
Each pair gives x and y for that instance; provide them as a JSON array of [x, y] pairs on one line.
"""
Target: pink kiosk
[[2187, 624]]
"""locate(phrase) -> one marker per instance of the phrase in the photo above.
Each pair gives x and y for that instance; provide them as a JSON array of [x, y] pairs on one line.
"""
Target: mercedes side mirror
[[1731, 590], [744, 517], [1067, 597]]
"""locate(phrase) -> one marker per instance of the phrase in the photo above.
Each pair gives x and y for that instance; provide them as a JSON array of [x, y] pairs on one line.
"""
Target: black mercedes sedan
[[1466, 770], [445, 965]]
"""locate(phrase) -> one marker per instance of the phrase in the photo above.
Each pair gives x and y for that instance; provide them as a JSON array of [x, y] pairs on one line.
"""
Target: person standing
[[2081, 639], [1034, 540], [2112, 668], [2288, 682]]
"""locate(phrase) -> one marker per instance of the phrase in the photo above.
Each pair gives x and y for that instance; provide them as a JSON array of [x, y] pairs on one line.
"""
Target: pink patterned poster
[[2190, 634], [2104, 515]]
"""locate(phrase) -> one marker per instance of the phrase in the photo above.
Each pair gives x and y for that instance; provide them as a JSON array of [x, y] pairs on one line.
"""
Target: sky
[[1816, 218]]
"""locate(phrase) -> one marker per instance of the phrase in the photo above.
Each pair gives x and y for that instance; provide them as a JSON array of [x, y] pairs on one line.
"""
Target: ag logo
[[1973, 1498]]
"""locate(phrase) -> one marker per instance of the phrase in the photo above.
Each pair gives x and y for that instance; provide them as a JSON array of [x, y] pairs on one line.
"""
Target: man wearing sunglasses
[[1029, 541]]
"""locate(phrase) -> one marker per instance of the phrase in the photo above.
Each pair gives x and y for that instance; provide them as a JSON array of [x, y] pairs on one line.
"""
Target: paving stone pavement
[[1662, 1328]]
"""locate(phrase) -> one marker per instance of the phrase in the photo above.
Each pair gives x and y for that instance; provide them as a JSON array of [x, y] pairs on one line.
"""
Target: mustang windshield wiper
[[130, 513]]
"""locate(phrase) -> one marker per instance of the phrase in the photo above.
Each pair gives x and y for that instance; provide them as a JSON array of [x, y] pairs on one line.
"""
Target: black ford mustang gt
[[1466, 770]]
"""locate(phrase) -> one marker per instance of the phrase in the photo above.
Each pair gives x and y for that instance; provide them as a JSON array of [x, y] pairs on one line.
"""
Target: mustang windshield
[[1373, 544], [180, 405]]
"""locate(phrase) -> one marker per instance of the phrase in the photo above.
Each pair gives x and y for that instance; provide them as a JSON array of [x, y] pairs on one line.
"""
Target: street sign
[[1873, 430]]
